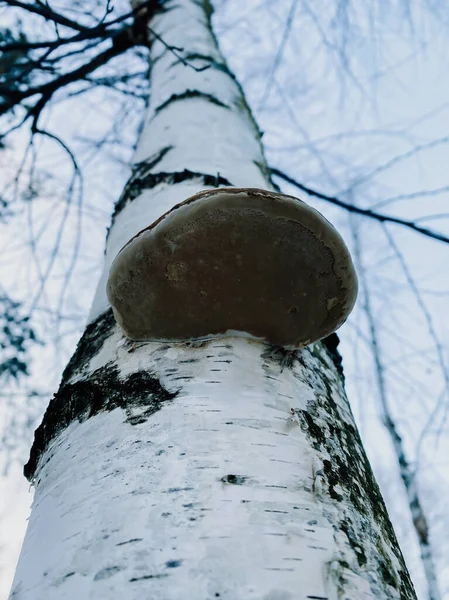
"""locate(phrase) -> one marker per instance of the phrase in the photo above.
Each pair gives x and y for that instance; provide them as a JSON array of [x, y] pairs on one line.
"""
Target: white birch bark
[[224, 469]]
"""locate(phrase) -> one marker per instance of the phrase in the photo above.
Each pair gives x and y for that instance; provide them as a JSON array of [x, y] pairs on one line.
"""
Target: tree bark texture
[[225, 468]]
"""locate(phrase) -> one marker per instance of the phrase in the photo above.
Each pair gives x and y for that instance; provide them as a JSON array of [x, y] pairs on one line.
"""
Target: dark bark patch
[[106, 573], [197, 344], [140, 171], [148, 164], [89, 345], [388, 575], [103, 390], [313, 429], [348, 529], [147, 181], [144, 577], [331, 343], [234, 479], [172, 564], [332, 480], [348, 466], [190, 94], [282, 356], [405, 586]]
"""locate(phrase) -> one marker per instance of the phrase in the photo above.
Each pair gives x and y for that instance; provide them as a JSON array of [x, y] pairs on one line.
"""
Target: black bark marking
[[282, 356], [286, 358], [103, 390], [234, 479], [106, 573], [240, 102], [172, 564], [149, 163], [139, 172], [205, 58], [89, 344], [263, 167], [331, 343], [347, 527], [282, 512], [143, 577], [147, 180], [190, 94], [280, 487], [200, 343], [132, 541]]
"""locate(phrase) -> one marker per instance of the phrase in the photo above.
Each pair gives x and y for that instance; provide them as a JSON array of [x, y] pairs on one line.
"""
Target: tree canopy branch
[[366, 212], [48, 13], [102, 30], [48, 89]]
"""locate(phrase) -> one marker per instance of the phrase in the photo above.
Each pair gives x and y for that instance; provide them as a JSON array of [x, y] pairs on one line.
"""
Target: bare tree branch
[[48, 13], [47, 90], [366, 212], [101, 30]]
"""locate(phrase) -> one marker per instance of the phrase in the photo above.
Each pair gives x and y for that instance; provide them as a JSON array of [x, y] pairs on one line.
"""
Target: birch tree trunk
[[224, 469]]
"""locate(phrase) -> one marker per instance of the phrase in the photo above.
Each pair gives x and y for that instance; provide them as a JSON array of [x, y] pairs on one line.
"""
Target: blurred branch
[[408, 475], [97, 32], [101, 30], [279, 54], [16, 337], [39, 8]]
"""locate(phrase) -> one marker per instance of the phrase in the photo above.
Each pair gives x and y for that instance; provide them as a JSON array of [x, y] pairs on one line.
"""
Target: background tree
[[334, 163]]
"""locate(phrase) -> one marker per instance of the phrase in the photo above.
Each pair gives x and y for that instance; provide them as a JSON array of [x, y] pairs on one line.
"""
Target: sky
[[354, 105]]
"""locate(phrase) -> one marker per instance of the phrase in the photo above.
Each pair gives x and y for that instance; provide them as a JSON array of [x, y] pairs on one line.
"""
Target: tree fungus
[[234, 260]]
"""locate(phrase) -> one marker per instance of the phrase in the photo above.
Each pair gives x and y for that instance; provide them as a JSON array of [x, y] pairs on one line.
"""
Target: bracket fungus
[[244, 260]]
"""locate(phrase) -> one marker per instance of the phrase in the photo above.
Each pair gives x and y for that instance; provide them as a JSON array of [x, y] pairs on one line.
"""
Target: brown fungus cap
[[234, 259]]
